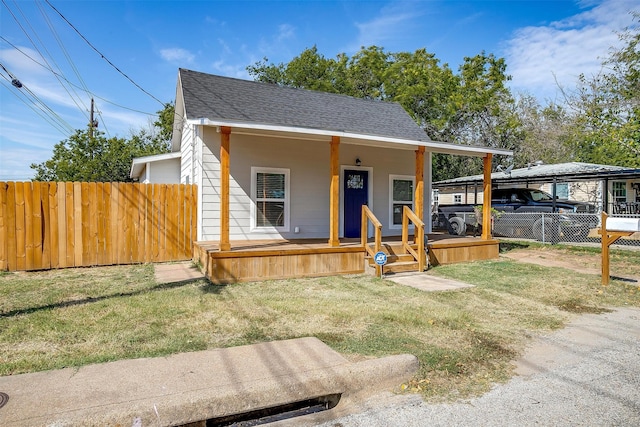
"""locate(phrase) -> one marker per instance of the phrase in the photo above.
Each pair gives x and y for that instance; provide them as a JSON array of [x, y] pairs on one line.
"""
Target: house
[[613, 189], [276, 166], [156, 169]]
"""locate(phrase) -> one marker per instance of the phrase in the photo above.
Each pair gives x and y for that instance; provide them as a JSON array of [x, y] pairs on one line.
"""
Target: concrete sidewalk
[[427, 282], [177, 272], [192, 387]]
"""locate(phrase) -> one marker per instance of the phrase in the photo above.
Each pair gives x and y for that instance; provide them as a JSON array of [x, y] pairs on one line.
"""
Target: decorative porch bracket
[[418, 226], [334, 193], [367, 216], [486, 198]]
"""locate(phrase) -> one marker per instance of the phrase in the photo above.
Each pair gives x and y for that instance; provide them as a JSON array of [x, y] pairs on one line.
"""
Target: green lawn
[[464, 339]]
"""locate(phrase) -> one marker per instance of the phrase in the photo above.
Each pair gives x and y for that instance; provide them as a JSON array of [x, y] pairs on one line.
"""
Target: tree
[[482, 112], [546, 132], [606, 107], [90, 156]]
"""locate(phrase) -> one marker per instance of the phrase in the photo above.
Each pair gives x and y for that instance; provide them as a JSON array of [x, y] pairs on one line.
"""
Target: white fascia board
[[359, 139], [179, 117]]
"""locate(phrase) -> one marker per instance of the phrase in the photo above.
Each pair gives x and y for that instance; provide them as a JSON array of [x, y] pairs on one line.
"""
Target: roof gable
[[217, 98]]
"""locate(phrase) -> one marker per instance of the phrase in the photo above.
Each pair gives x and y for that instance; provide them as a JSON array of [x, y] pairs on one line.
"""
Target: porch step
[[400, 267], [392, 258], [397, 262]]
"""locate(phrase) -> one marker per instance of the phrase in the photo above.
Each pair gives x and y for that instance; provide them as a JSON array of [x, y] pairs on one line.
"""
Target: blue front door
[[356, 194]]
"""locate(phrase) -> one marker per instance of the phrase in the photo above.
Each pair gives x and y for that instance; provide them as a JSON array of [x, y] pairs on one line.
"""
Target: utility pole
[[92, 122]]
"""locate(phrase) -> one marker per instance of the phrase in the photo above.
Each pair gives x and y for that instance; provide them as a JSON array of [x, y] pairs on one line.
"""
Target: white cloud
[[24, 133], [392, 21], [539, 56], [230, 70], [22, 60], [15, 167], [177, 55], [285, 32], [278, 43]]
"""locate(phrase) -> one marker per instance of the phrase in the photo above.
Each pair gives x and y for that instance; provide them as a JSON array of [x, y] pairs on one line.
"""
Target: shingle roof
[[545, 172], [227, 99]]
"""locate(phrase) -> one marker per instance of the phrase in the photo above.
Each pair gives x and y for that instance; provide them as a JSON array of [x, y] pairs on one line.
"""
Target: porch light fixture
[[358, 162]]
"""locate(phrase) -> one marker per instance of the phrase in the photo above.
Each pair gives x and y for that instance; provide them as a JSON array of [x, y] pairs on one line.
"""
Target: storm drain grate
[[276, 413], [4, 398]]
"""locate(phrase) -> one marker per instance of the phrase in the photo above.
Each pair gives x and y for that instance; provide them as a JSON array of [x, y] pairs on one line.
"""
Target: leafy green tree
[[546, 132], [163, 126], [607, 107], [89, 156], [425, 89]]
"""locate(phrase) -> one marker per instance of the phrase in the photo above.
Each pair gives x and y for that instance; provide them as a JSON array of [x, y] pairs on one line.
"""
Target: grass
[[464, 340]]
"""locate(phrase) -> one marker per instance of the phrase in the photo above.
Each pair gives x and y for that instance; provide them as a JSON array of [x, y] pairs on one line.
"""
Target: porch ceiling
[[322, 135]]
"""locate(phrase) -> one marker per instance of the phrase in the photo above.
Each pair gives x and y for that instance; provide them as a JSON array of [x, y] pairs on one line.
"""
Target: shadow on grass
[[214, 288], [510, 246], [89, 300]]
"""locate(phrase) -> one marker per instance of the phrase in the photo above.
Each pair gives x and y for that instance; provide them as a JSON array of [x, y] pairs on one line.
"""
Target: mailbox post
[[618, 227]]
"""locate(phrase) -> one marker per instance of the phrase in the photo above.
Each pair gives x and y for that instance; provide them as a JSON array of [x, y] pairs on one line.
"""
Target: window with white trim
[[400, 195], [457, 199], [619, 191], [270, 195]]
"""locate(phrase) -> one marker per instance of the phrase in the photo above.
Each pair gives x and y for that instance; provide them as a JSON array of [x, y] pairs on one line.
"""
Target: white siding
[[209, 185], [162, 172], [189, 148], [144, 176]]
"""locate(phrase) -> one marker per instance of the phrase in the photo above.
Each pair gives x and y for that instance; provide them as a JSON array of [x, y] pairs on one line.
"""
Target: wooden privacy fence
[[47, 225]]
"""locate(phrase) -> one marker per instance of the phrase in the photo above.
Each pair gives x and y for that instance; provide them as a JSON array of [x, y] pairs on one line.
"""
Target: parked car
[[518, 212]]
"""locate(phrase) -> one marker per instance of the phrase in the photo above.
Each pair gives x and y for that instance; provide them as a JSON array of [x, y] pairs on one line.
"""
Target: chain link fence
[[543, 227]]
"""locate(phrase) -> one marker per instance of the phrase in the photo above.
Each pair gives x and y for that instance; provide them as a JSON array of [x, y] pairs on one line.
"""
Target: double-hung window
[[400, 195], [619, 191], [270, 194]]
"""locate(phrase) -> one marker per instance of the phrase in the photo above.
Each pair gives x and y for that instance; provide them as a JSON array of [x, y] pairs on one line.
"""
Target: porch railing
[[368, 216], [419, 255]]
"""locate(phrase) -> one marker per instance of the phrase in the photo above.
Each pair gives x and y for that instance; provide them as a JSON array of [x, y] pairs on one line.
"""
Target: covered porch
[[227, 261]]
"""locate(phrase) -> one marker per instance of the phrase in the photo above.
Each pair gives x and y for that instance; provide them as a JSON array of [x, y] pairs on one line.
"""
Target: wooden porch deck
[[277, 259]]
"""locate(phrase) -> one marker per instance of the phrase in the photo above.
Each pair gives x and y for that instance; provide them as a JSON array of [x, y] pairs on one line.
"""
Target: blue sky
[[543, 42]]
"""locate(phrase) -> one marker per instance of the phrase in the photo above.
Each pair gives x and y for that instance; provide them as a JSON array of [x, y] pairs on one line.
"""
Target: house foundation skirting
[[277, 261], [250, 261], [465, 249]]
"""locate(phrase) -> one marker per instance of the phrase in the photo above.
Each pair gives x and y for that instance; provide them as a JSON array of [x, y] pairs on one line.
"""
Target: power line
[[73, 84], [101, 54], [35, 45], [66, 55], [38, 106], [64, 50]]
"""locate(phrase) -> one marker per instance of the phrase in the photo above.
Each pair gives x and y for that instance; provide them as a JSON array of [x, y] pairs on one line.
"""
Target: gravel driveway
[[587, 374]]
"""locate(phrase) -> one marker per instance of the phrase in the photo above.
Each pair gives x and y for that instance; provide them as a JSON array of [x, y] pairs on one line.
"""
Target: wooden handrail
[[367, 216], [419, 255]]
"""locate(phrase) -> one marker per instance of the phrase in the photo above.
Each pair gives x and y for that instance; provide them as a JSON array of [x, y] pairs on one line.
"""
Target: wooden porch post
[[225, 245], [418, 197], [486, 199], [334, 193]]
